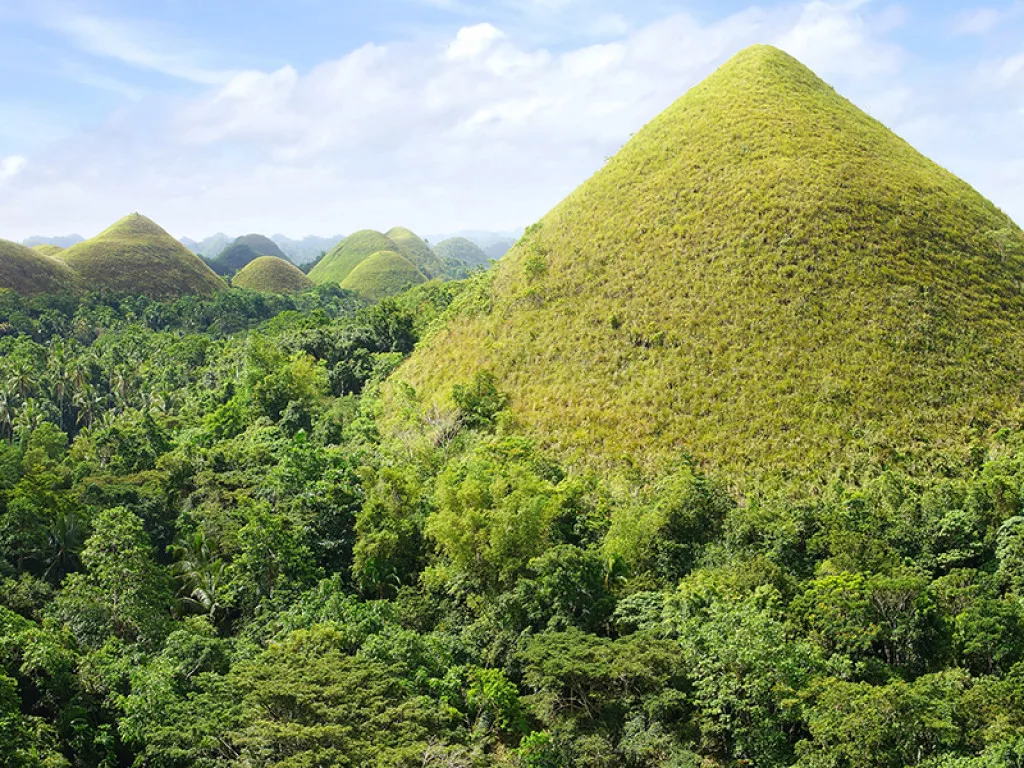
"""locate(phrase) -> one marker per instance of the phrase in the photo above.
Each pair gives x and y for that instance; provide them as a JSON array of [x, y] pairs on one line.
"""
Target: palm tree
[[66, 537], [202, 576]]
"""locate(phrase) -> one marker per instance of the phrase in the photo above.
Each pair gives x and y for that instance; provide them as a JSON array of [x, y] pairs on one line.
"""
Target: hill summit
[[244, 250], [383, 274], [347, 255], [135, 256], [29, 271], [765, 277], [270, 274]]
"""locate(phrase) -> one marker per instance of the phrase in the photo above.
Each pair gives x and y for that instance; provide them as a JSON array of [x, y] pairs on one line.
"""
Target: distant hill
[[29, 272], [765, 278], [210, 247], [270, 274], [337, 264], [242, 251], [137, 257], [498, 248], [308, 249], [463, 250], [416, 250], [61, 242], [48, 250], [383, 274], [494, 244]]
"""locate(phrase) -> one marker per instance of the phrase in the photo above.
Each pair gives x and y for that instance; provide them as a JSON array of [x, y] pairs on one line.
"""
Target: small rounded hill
[[29, 271], [244, 250], [462, 250], [416, 250], [269, 274], [348, 254], [137, 257], [383, 274]]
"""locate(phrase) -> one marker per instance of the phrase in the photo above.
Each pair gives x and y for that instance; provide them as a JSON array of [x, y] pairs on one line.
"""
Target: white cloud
[[11, 166], [478, 130], [470, 42], [837, 38]]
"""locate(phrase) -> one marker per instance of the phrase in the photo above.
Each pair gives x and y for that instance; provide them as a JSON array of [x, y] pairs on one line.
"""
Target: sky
[[328, 116]]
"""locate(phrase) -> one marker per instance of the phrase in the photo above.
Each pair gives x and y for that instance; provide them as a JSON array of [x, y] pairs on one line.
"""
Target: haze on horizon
[[440, 115]]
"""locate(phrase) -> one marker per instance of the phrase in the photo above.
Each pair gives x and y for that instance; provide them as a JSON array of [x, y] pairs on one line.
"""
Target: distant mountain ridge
[[65, 241]]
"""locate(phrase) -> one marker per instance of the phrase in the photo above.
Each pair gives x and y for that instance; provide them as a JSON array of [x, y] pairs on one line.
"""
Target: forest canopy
[[213, 555]]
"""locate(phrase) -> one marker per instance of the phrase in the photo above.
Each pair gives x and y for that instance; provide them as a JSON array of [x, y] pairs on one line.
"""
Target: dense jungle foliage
[[211, 555]]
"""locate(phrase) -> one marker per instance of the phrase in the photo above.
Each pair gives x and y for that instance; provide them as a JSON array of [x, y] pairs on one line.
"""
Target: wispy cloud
[[138, 44], [983, 21]]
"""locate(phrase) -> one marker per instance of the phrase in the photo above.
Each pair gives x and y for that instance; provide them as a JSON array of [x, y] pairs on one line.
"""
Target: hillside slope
[[137, 257], [48, 249], [269, 274], [764, 277], [383, 274], [347, 255], [29, 271]]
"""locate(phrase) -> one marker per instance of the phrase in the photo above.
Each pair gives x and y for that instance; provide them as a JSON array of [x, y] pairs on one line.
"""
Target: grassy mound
[[48, 249], [137, 257], [29, 271], [764, 277], [463, 250], [383, 274], [269, 274], [416, 250], [244, 250], [347, 255]]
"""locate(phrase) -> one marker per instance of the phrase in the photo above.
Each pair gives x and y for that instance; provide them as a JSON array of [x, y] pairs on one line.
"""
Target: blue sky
[[320, 116]]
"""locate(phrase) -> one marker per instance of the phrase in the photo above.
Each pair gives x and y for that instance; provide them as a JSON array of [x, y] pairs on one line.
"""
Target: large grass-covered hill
[[764, 277], [29, 271], [383, 274], [270, 274], [348, 254], [137, 257]]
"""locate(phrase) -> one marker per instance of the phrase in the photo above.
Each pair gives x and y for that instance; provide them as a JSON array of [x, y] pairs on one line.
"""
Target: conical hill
[[416, 250], [269, 274], [383, 274], [765, 278], [29, 271], [137, 257], [346, 256]]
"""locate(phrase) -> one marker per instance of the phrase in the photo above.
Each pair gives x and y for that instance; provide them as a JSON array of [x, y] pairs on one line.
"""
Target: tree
[[123, 592]]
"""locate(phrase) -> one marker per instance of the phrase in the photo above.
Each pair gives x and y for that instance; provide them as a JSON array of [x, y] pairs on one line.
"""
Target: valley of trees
[[211, 555]]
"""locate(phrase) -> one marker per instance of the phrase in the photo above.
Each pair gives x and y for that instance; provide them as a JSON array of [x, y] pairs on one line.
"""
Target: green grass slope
[[269, 274], [47, 249], [29, 271], [461, 249], [137, 257], [347, 255], [416, 250], [764, 277], [383, 274]]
